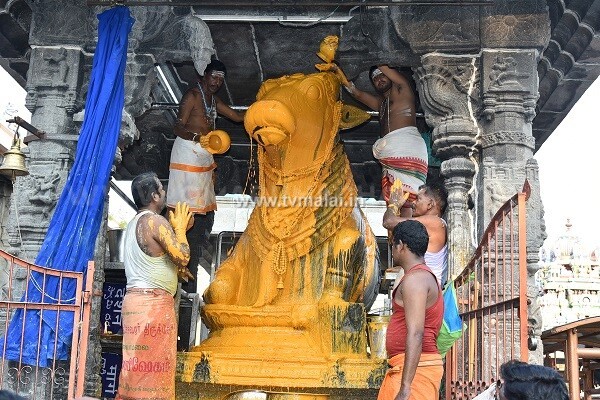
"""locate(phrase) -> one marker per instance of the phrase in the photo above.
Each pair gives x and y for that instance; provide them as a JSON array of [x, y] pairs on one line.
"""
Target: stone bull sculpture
[[307, 241], [296, 286]]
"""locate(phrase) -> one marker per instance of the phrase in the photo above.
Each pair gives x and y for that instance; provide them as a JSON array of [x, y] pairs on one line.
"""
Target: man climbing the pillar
[[401, 148], [191, 170], [428, 209]]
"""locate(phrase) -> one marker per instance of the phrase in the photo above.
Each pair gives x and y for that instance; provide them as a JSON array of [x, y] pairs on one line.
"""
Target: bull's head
[[297, 116]]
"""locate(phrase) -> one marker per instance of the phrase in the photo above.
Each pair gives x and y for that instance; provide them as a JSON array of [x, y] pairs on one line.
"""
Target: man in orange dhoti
[[416, 366], [156, 253]]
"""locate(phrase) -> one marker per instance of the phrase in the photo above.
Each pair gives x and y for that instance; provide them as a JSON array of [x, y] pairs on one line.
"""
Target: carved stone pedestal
[[282, 347]]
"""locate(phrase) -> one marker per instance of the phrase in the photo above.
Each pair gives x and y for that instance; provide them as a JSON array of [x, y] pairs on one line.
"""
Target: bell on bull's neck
[[13, 164]]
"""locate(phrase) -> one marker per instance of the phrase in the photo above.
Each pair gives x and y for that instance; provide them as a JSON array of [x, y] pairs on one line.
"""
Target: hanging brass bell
[[13, 164]]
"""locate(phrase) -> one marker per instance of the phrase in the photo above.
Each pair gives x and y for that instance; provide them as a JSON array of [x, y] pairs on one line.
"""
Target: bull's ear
[[353, 116]]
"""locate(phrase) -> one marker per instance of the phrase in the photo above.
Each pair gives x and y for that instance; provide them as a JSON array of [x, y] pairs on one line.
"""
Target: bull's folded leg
[[223, 289], [342, 328]]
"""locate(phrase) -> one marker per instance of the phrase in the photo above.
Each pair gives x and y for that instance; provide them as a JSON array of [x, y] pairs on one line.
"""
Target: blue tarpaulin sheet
[[70, 240]]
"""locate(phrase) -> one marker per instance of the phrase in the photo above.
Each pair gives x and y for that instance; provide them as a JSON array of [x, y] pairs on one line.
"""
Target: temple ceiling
[[266, 42]]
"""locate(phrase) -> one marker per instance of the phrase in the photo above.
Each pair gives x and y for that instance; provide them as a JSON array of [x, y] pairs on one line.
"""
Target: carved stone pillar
[[5, 194], [53, 86], [446, 84], [510, 92], [536, 234]]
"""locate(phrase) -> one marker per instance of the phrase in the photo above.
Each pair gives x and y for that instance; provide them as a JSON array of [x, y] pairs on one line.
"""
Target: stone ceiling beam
[[570, 63], [288, 3]]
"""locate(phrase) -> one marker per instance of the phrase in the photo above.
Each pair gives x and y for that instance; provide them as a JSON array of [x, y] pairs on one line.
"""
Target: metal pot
[[377, 329], [116, 238]]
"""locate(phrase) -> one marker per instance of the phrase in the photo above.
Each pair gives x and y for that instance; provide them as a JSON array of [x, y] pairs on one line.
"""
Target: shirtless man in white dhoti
[[192, 166], [401, 148]]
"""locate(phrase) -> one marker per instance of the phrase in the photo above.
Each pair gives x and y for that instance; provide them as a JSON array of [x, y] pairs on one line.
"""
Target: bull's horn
[[353, 116]]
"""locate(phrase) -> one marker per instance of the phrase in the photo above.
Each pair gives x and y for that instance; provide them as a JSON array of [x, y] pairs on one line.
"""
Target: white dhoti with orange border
[[403, 155], [191, 177]]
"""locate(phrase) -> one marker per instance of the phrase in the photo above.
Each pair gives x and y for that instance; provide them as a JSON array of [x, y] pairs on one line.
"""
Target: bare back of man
[[421, 283]]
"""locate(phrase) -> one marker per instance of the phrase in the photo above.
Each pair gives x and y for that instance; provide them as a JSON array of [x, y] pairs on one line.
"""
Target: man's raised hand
[[397, 194], [180, 218]]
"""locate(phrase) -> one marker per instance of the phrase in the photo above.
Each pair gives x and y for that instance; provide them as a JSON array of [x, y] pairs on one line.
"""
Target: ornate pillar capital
[[54, 85], [510, 93], [447, 85]]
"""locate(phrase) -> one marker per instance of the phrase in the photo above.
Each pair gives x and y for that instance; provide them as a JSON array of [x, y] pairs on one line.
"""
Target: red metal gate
[[63, 379], [492, 300]]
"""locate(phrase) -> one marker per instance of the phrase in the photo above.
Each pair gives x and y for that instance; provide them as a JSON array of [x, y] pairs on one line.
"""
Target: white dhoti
[[403, 155], [191, 177]]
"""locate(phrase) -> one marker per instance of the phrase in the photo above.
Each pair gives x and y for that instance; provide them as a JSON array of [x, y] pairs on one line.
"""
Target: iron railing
[[62, 379], [492, 301]]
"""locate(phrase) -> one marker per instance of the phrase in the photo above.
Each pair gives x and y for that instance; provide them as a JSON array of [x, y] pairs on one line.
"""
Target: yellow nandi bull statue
[[287, 307]]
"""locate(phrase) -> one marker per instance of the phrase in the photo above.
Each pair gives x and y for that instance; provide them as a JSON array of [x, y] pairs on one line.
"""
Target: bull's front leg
[[225, 287]]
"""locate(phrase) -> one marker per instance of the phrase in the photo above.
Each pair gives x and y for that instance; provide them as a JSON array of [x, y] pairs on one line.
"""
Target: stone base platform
[[208, 391], [284, 352], [309, 372]]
